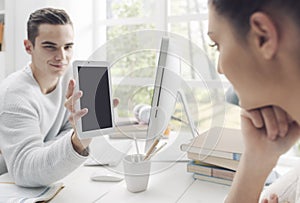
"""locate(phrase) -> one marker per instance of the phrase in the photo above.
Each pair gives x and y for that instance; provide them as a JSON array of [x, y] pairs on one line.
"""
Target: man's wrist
[[77, 145]]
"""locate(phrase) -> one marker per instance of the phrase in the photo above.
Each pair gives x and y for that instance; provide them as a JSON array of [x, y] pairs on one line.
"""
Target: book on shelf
[[212, 179], [222, 162], [10, 192], [1, 35], [210, 170], [217, 142]]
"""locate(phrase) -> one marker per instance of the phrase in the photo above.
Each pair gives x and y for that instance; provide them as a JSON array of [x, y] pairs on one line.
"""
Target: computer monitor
[[166, 91]]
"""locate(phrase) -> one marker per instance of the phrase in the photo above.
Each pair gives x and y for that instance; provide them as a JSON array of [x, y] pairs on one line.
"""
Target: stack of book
[[215, 155]]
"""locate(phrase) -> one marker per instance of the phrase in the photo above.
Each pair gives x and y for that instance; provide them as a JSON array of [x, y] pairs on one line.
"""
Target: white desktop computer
[[167, 91]]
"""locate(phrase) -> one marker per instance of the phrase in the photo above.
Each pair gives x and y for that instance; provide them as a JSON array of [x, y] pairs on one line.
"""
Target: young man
[[259, 50], [38, 139]]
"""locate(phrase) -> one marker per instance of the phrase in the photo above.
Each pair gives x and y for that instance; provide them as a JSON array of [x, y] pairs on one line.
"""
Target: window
[[187, 18]]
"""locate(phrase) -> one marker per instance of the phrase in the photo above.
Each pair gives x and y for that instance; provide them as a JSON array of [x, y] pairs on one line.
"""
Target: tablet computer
[[93, 79]]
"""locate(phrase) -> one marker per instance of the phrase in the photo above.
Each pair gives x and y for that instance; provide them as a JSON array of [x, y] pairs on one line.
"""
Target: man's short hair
[[45, 16]]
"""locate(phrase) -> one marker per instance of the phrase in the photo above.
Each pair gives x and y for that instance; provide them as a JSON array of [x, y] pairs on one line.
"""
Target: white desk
[[168, 182], [173, 184]]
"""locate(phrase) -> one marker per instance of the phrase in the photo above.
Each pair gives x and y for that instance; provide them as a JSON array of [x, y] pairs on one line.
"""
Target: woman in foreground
[[259, 46]]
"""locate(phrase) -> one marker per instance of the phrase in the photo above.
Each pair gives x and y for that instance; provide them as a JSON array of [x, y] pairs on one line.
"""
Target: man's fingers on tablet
[[75, 116], [80, 114], [116, 102], [70, 88], [282, 120], [77, 95], [69, 104]]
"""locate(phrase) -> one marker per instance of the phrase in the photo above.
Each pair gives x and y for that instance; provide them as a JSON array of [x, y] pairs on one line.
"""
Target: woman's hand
[[274, 119], [273, 199], [268, 132]]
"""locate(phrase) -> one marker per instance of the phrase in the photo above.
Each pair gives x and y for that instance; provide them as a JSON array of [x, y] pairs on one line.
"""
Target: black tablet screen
[[94, 82]]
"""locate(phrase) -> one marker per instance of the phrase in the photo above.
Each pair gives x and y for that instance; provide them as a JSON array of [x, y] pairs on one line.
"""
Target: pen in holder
[[152, 148], [137, 149], [156, 151]]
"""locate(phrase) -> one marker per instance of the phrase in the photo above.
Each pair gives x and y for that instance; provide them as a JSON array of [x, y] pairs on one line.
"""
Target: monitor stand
[[172, 152]]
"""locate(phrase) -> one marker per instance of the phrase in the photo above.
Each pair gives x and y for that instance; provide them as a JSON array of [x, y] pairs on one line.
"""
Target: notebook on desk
[[10, 192]]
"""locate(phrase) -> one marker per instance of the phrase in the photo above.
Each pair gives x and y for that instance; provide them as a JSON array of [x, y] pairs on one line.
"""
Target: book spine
[[211, 171], [201, 170], [212, 179], [225, 174], [209, 152], [225, 163]]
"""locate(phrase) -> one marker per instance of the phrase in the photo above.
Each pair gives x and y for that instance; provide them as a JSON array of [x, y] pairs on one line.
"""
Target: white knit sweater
[[35, 135]]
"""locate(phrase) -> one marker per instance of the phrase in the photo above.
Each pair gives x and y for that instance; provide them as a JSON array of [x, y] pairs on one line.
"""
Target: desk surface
[[173, 184], [169, 182]]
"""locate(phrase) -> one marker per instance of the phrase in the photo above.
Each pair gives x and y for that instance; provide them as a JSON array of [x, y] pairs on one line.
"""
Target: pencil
[[7, 183], [137, 149], [151, 148], [151, 155]]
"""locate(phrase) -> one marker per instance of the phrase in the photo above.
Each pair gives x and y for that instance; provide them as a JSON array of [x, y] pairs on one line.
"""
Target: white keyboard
[[103, 152]]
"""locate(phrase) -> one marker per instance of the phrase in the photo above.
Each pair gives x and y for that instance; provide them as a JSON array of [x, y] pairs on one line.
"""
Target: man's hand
[[70, 102], [116, 102], [78, 145]]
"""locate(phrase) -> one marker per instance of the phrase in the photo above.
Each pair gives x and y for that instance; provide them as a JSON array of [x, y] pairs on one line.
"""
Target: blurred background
[[97, 22]]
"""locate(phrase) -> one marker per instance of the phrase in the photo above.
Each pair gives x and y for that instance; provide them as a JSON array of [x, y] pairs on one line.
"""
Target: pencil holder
[[136, 171]]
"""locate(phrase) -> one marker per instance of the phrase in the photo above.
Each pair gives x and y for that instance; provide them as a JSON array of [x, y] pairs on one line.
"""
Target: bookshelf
[[2, 53], [2, 21]]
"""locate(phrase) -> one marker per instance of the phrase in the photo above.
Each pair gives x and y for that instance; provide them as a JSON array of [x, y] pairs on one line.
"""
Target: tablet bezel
[[77, 105]]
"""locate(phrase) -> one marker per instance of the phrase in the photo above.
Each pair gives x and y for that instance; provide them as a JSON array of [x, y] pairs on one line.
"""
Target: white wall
[[22, 10], [18, 13], [82, 17]]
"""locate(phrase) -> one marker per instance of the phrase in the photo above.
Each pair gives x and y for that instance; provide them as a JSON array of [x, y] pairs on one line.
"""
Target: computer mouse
[[106, 177]]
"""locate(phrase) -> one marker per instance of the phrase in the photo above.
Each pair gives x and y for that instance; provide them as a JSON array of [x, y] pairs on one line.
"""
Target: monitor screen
[[94, 82], [166, 87]]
